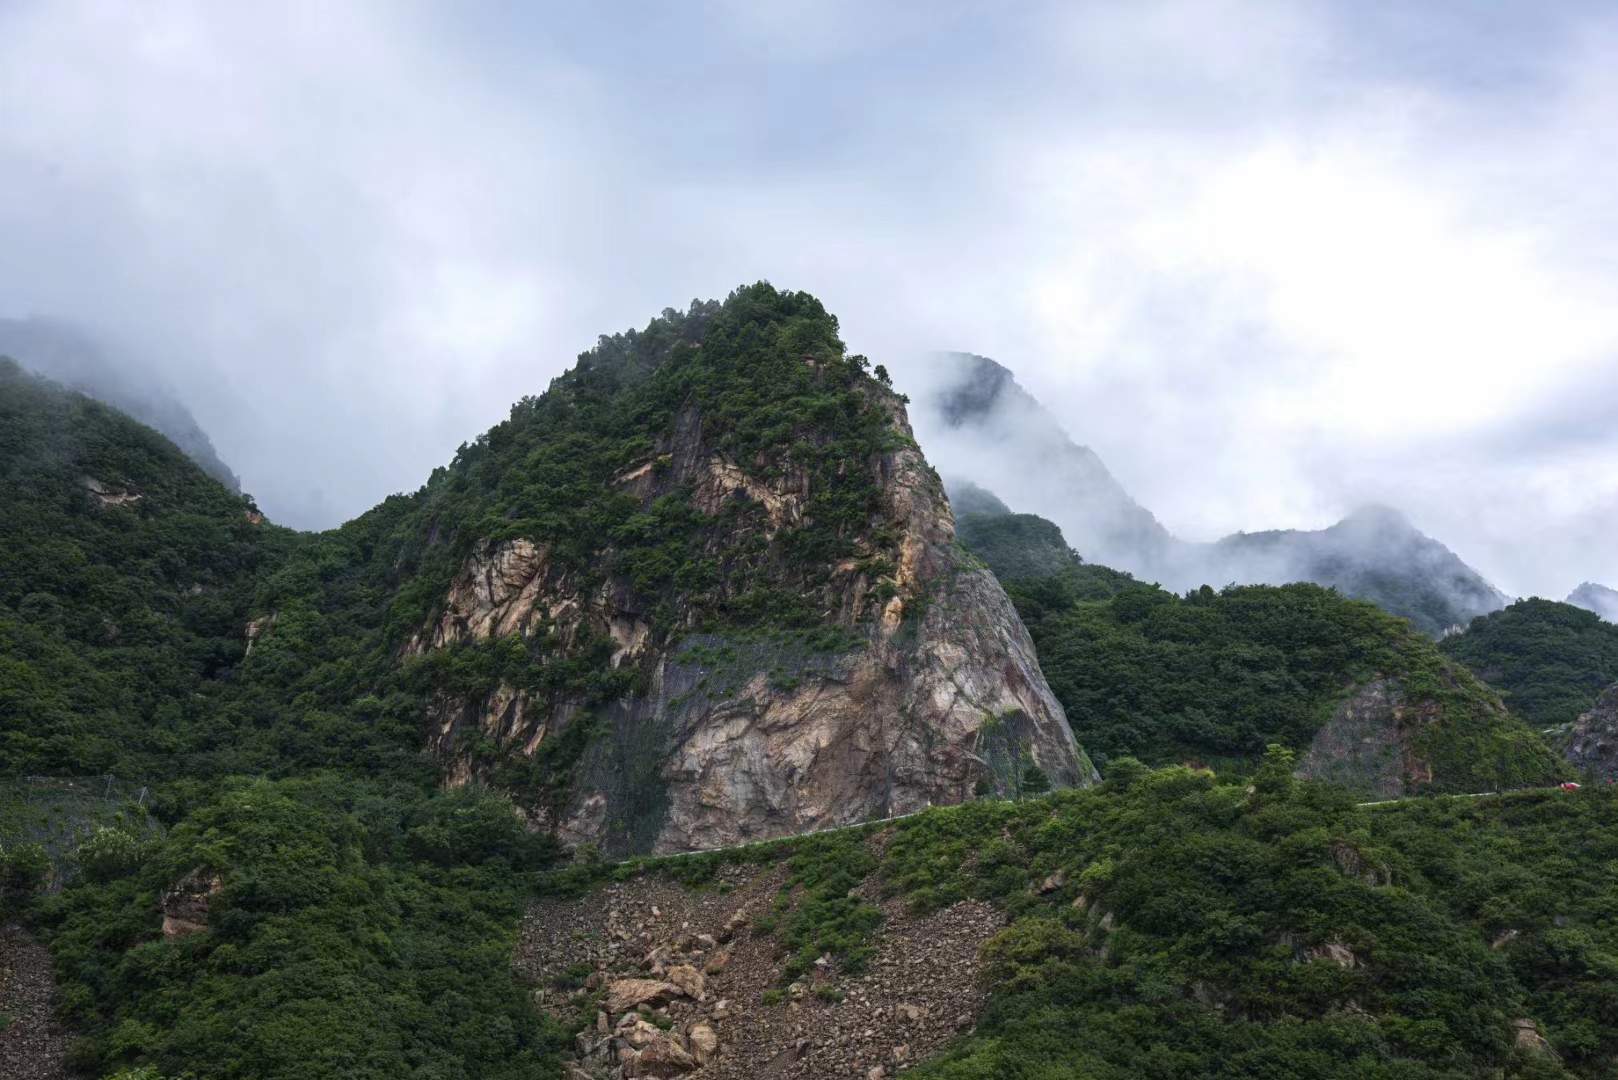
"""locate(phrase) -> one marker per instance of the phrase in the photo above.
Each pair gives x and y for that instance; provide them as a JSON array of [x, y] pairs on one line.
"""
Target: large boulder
[[653, 1052], [626, 994]]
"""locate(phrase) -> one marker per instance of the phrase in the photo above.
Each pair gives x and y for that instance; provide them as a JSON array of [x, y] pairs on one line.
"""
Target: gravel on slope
[[32, 1044]]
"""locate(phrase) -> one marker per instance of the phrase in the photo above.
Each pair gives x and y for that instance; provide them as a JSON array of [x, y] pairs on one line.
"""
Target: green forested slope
[[1216, 676], [362, 915], [1550, 661], [1210, 931], [358, 930], [116, 621], [1171, 925], [1016, 545]]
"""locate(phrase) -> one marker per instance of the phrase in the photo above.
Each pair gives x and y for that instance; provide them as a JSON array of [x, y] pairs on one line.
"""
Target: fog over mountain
[[986, 434], [1263, 257], [1597, 598], [71, 356]]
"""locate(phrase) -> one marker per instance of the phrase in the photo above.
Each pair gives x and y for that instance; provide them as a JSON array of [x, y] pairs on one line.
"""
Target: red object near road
[[1569, 786]]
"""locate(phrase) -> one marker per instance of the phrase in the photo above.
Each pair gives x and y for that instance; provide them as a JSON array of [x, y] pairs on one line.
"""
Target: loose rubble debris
[[32, 1044], [682, 977]]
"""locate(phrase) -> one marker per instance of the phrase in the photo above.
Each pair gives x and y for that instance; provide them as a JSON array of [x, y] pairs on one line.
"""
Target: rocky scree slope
[[1163, 924], [689, 981], [706, 590]]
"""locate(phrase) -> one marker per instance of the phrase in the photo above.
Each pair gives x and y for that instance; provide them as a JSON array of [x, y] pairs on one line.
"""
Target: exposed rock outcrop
[[1592, 742], [185, 905], [933, 693], [1363, 746], [107, 495], [257, 628], [1450, 733], [1527, 1037]]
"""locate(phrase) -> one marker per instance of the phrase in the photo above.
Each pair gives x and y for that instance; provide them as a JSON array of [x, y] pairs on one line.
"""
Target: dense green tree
[[353, 930], [1214, 677], [1016, 545], [1550, 661], [1225, 931]]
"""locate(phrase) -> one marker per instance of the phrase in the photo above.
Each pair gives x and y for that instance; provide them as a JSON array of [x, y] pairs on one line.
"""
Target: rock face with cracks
[[933, 694], [1592, 741]]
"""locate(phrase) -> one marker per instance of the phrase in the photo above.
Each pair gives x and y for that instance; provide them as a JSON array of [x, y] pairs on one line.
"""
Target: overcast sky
[[1271, 260]]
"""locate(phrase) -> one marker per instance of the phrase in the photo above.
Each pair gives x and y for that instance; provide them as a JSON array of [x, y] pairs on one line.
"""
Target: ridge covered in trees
[[1215, 676], [1549, 660]]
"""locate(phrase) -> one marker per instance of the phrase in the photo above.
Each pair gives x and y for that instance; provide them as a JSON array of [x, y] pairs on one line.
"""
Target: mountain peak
[[976, 389], [980, 426]]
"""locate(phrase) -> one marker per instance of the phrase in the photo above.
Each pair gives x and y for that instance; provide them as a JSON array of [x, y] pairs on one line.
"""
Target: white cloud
[[1264, 261], [303, 197]]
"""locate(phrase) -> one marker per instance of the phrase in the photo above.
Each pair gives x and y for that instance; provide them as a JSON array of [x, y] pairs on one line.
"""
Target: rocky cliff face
[[922, 687], [1592, 742]]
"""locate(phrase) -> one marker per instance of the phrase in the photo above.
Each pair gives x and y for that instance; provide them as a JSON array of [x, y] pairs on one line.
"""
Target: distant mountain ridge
[[985, 430], [67, 355], [1374, 554], [989, 431], [1597, 598]]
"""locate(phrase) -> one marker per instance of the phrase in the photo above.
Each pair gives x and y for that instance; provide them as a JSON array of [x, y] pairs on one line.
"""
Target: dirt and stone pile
[[686, 984], [32, 1043]]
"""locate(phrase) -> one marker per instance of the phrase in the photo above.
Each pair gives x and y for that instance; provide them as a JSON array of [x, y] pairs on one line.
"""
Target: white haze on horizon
[[1271, 260]]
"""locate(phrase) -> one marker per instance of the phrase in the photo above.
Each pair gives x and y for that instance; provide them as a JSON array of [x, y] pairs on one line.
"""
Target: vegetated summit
[[703, 589], [1556, 665], [69, 355]]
